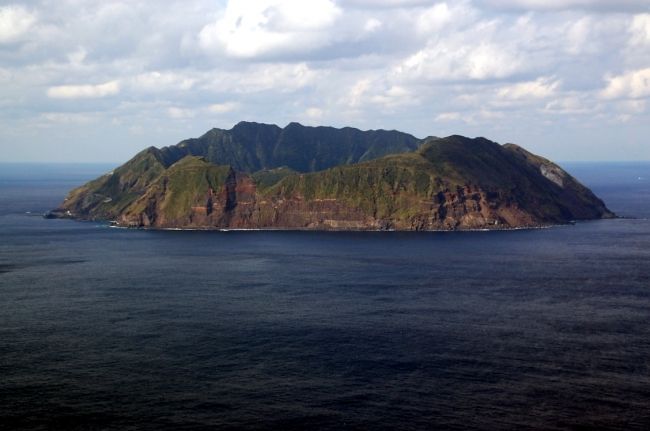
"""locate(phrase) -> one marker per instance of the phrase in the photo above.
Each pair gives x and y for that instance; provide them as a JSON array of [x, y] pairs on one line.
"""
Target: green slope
[[107, 196], [173, 194]]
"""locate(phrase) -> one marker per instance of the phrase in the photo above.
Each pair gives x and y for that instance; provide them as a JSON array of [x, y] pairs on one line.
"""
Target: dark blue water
[[122, 329]]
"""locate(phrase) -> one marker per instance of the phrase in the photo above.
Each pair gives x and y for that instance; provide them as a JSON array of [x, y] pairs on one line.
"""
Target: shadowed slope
[[250, 147]]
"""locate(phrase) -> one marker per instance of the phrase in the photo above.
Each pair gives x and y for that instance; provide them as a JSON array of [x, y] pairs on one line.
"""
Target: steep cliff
[[447, 183]]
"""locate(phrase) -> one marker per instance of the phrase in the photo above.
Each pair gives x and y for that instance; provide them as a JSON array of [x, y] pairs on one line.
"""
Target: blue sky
[[100, 80]]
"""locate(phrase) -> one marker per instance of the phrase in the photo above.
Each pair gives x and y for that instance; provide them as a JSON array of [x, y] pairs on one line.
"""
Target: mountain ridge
[[258, 175]]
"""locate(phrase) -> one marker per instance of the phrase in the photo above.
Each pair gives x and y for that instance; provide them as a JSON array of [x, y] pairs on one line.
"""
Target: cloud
[[258, 28], [278, 78], [435, 18], [355, 95], [461, 45], [538, 89], [314, 113], [373, 4], [570, 105], [84, 91], [5, 75], [578, 35], [634, 84], [394, 96], [640, 30], [448, 116], [222, 108], [69, 117], [450, 60], [15, 21], [180, 113], [632, 106], [156, 81], [555, 5], [509, 70], [372, 25], [77, 57]]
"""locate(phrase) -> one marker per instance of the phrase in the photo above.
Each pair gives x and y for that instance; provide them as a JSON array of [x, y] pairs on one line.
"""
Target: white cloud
[[371, 4], [538, 89], [15, 21], [460, 45], [267, 27], [578, 35], [640, 29], [222, 108], [435, 18], [634, 84], [465, 66], [637, 106], [69, 117], [372, 25], [280, 78], [84, 91], [376, 92], [394, 96], [570, 104], [448, 116], [179, 113], [475, 118], [550, 5], [77, 57], [355, 95], [156, 81], [489, 115], [455, 60], [314, 113]]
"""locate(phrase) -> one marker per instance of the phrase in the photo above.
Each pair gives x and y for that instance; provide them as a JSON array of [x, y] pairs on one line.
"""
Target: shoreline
[[114, 225], [207, 229]]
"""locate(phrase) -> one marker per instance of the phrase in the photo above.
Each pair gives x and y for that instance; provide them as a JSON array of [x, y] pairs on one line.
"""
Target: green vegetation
[[269, 177], [251, 147], [343, 173], [109, 195], [380, 187], [183, 185]]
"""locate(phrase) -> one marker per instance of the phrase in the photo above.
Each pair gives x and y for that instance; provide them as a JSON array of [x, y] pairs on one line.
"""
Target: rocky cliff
[[370, 181]]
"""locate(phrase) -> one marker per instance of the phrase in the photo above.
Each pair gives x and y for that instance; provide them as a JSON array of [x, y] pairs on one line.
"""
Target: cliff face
[[449, 183], [238, 204]]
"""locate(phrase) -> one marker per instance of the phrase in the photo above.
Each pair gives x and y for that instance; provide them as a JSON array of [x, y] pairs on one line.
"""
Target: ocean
[[104, 328]]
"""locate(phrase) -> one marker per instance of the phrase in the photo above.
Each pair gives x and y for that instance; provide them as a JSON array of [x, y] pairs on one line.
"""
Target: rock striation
[[258, 176]]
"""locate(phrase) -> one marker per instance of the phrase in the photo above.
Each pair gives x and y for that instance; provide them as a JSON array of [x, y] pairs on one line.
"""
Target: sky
[[97, 81]]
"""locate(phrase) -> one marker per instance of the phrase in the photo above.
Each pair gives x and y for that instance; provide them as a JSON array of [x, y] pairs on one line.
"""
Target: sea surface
[[104, 328]]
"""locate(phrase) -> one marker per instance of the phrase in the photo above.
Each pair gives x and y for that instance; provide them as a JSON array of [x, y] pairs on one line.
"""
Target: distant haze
[[97, 81]]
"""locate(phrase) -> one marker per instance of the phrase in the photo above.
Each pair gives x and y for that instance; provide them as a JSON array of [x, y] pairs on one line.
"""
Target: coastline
[[279, 229]]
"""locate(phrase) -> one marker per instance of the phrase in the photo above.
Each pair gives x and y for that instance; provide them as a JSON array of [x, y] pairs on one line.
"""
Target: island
[[261, 176]]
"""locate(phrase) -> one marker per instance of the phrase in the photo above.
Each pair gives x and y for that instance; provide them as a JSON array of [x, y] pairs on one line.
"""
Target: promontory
[[261, 176]]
